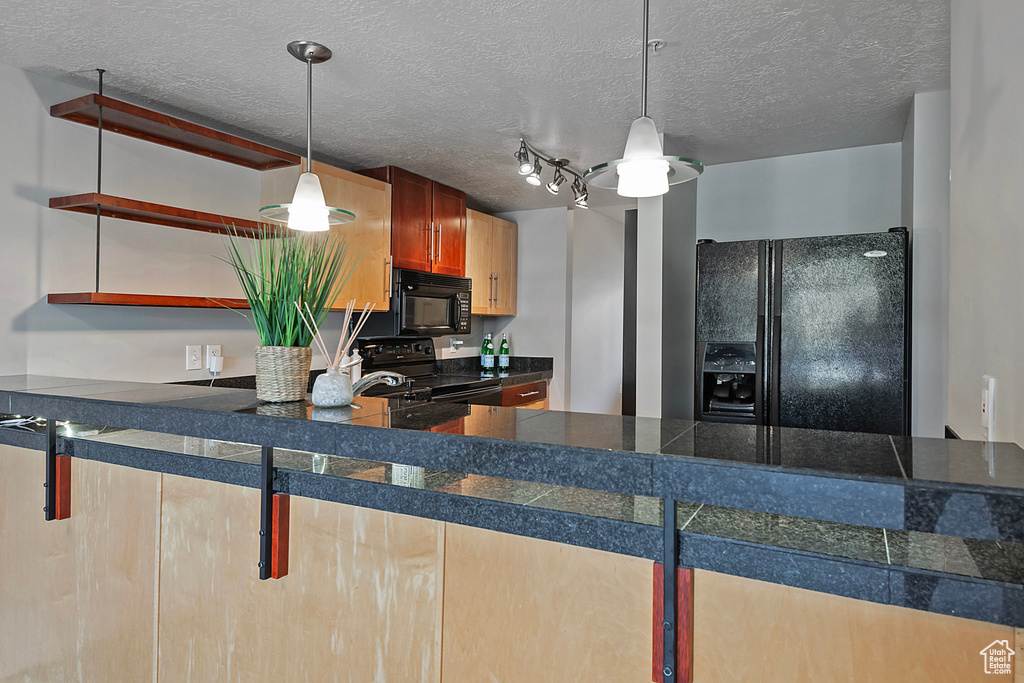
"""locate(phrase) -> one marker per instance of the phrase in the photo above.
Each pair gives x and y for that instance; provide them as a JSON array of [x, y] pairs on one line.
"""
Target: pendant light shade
[[308, 210], [643, 170]]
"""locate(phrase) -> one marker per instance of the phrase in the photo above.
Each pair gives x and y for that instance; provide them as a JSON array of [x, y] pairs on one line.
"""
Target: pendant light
[[643, 170], [308, 211]]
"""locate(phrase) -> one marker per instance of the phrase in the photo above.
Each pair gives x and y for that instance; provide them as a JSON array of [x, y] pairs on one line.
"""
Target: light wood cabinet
[[369, 234], [492, 262]]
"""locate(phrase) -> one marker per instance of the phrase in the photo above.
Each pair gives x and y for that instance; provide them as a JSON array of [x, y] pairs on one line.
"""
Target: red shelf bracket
[[58, 478], [275, 513], [683, 630]]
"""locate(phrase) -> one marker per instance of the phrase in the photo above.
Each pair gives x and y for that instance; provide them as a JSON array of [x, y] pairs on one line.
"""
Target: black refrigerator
[[810, 332]]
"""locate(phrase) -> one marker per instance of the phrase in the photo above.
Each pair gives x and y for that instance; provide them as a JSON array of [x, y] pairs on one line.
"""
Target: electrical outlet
[[212, 351], [194, 357]]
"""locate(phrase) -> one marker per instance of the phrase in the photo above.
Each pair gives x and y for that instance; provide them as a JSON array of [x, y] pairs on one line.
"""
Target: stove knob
[[428, 350], [419, 347]]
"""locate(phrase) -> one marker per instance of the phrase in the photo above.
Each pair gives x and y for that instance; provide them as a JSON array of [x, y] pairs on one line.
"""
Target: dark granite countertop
[[790, 506], [897, 483], [522, 370]]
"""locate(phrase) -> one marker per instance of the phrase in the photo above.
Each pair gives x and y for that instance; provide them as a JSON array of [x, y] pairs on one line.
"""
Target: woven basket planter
[[282, 372]]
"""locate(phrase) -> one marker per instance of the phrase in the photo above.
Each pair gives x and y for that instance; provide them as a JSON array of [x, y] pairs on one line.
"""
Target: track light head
[[579, 190], [534, 177], [523, 157], [556, 181]]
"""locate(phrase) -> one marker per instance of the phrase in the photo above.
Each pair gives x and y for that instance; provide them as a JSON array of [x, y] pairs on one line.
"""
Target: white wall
[[836, 192], [540, 327], [596, 331], [926, 213], [986, 311], [45, 250]]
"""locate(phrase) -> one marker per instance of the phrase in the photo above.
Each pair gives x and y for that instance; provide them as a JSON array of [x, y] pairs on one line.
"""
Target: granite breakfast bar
[[891, 523]]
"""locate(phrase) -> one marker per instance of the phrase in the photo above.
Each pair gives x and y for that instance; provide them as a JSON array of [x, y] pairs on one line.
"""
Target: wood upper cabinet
[[479, 229], [505, 261], [450, 229], [411, 201], [428, 222], [369, 234], [492, 262]]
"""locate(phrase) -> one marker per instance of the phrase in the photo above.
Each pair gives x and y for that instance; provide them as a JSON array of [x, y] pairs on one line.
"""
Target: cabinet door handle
[[529, 393], [497, 291], [439, 226], [390, 269], [431, 241], [490, 288]]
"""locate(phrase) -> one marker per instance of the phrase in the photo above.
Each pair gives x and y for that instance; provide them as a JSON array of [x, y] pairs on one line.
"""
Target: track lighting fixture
[[556, 181], [532, 172]]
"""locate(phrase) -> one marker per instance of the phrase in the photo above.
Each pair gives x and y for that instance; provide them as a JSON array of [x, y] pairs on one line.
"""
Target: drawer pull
[[531, 393]]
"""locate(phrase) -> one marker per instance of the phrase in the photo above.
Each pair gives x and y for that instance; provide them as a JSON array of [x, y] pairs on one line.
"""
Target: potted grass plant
[[278, 269]]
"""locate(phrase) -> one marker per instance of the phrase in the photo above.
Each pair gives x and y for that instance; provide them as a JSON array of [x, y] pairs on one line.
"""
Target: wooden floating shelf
[[145, 124], [153, 300], [158, 214]]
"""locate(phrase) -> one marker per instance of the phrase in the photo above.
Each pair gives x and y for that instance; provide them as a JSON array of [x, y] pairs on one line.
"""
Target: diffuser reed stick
[[346, 341]]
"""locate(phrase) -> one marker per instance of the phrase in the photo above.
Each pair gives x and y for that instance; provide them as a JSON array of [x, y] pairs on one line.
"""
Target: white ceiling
[[446, 87]]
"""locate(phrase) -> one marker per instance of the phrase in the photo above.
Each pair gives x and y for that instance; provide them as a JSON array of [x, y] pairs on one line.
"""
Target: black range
[[416, 358]]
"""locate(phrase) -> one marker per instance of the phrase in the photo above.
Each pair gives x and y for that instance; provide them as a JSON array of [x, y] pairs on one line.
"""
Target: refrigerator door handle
[[759, 373], [776, 347], [776, 351]]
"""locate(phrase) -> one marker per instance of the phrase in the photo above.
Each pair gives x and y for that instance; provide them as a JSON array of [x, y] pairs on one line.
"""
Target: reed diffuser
[[334, 387], [277, 271]]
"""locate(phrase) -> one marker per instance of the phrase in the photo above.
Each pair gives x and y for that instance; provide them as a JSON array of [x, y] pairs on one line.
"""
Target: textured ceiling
[[446, 87]]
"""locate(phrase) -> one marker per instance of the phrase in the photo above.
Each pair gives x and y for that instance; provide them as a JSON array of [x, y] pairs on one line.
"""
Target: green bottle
[[487, 356], [503, 356]]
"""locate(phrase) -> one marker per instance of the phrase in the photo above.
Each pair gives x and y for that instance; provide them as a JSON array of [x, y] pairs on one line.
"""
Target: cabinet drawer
[[524, 393]]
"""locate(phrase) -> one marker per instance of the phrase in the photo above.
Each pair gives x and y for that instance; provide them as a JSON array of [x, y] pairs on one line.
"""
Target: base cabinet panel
[[361, 601], [747, 630], [521, 610], [77, 596]]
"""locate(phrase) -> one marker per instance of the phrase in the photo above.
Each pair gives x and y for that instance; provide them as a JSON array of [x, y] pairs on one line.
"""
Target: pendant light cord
[[643, 95], [309, 113]]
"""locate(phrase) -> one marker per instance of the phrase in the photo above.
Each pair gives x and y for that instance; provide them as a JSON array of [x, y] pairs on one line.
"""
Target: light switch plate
[[194, 357], [988, 400]]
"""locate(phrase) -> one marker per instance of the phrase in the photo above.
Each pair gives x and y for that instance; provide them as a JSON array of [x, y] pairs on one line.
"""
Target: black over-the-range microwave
[[430, 304]]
